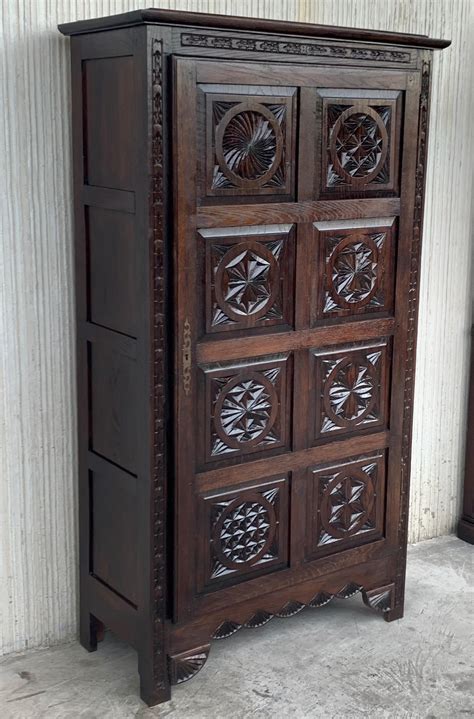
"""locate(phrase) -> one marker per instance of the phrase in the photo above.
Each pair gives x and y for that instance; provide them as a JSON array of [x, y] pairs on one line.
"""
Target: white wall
[[37, 481]]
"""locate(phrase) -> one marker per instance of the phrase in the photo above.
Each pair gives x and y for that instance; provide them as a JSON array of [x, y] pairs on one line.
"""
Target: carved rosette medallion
[[358, 145], [248, 145], [247, 282], [350, 392], [352, 389], [346, 503], [354, 271], [245, 411], [243, 532]]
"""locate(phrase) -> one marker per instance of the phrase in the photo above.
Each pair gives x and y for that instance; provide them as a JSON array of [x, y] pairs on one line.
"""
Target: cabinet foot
[[91, 631], [381, 599], [466, 530], [154, 681]]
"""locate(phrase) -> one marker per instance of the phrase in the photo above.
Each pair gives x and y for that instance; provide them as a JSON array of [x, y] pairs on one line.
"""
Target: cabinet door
[[293, 206]]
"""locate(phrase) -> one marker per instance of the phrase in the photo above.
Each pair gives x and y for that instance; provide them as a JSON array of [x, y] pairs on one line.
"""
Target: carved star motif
[[359, 145], [248, 288], [351, 390], [246, 411], [354, 272], [347, 501]]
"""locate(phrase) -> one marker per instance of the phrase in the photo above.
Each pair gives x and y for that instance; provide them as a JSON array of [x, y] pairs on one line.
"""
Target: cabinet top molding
[[248, 24]]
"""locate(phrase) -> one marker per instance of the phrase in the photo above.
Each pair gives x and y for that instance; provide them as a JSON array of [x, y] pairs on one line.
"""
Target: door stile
[[402, 302], [185, 262]]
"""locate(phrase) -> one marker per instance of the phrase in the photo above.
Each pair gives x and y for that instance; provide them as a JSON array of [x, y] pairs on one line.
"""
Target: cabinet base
[[185, 665]]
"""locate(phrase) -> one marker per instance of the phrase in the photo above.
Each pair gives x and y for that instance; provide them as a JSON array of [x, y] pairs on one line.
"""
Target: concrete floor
[[340, 661]]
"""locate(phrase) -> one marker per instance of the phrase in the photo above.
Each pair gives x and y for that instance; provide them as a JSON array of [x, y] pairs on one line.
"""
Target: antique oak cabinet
[[248, 217]]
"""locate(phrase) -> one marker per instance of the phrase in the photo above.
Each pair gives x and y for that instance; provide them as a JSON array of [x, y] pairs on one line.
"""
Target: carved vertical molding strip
[[413, 293], [158, 317]]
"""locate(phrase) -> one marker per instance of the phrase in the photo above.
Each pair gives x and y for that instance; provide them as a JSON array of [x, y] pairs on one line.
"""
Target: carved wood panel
[[246, 408], [246, 282], [243, 531], [360, 142], [249, 142], [353, 269], [350, 389], [248, 277], [347, 504]]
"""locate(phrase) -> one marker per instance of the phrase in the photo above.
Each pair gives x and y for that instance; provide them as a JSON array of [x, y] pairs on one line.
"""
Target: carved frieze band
[[378, 599], [186, 665], [411, 329], [284, 47], [159, 499]]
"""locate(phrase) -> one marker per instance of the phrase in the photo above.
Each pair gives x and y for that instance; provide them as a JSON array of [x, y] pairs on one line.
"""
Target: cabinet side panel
[[110, 128], [111, 179]]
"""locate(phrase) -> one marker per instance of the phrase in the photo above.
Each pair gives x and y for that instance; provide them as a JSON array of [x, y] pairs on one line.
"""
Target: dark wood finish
[[248, 225], [466, 522], [246, 23]]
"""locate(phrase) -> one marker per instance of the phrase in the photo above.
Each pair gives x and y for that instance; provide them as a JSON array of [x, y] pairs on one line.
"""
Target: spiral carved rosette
[[249, 145]]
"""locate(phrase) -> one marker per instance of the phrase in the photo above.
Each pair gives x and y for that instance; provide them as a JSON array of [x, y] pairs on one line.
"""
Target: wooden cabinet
[[249, 204], [466, 521]]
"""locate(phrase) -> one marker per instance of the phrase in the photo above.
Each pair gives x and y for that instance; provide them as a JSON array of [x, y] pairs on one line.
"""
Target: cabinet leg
[[394, 614], [154, 680], [91, 631]]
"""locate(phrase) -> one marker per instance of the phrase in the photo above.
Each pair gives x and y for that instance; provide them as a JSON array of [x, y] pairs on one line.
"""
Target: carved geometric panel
[[247, 408], [246, 531], [350, 389], [354, 273], [250, 143], [347, 504], [248, 277], [360, 142]]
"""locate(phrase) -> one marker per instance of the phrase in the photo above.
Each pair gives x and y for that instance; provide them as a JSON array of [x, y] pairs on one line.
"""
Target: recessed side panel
[[243, 532], [347, 504], [113, 405], [114, 509], [110, 123], [248, 278], [112, 270]]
